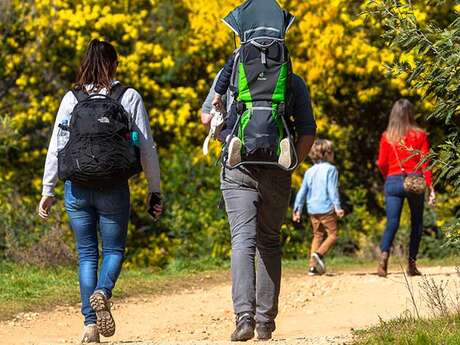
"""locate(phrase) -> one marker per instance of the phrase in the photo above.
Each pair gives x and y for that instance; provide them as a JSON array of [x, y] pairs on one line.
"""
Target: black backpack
[[99, 153]]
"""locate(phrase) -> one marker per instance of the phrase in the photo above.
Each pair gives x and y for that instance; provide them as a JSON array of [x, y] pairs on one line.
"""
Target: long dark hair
[[402, 120], [98, 66]]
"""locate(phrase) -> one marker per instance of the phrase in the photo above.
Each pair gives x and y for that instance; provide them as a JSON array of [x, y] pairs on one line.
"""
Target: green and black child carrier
[[261, 82]]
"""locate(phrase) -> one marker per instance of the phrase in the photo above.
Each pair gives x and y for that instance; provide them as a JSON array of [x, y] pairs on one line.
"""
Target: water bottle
[[135, 138], [63, 135], [135, 146]]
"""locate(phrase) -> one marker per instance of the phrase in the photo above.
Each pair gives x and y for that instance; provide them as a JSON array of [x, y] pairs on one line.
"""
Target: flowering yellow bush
[[170, 51]]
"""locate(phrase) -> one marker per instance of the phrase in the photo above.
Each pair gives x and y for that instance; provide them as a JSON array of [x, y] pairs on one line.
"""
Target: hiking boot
[[312, 271], [245, 325], [412, 270], [105, 322], [320, 265], [285, 158], [382, 269], [234, 152], [90, 334], [265, 330]]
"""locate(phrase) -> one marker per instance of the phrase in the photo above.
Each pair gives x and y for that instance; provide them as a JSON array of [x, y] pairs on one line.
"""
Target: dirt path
[[319, 310]]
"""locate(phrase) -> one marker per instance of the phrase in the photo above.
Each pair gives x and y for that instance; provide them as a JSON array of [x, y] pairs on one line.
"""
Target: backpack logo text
[[104, 120], [262, 77]]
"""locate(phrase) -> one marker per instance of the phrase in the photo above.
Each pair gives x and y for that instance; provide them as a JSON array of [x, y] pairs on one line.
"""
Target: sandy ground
[[318, 310]]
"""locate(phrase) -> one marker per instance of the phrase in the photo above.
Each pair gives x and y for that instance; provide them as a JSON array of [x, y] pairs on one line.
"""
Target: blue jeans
[[394, 199], [88, 210]]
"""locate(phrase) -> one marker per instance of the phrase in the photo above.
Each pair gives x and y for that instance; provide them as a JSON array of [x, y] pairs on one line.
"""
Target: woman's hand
[[44, 207], [432, 198], [158, 210], [155, 205], [296, 217]]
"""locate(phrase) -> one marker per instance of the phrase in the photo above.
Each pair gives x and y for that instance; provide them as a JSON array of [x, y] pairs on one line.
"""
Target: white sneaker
[[321, 266], [285, 158], [312, 271], [234, 152], [90, 334]]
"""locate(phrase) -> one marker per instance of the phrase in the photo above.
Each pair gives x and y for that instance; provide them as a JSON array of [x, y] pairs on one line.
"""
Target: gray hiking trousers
[[256, 201]]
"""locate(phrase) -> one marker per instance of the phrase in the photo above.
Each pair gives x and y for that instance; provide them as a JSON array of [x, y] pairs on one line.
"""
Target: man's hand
[[296, 216], [44, 207], [303, 146]]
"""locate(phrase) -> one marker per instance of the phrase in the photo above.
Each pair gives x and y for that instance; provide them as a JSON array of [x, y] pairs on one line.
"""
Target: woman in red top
[[402, 148]]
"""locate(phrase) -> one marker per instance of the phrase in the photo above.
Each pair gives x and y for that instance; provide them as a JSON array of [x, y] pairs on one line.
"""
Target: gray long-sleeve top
[[134, 105]]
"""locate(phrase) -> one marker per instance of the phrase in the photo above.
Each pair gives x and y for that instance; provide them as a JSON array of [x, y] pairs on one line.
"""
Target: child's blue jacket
[[320, 190]]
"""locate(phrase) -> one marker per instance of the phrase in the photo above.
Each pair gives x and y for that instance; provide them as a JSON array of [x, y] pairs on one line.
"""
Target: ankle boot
[[412, 270], [382, 269], [244, 330]]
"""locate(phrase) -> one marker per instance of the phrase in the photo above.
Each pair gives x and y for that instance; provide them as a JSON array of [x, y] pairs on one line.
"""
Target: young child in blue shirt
[[320, 192]]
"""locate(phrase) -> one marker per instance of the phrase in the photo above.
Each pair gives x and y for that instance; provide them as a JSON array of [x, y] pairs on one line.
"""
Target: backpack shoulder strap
[[79, 95], [118, 91], [290, 95]]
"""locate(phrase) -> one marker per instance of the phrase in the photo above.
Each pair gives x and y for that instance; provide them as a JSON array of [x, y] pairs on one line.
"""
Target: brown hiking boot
[[90, 334], [382, 270], [412, 270], [105, 322]]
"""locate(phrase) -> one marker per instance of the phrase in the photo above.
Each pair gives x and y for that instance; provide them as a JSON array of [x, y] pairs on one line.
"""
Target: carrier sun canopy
[[259, 19]]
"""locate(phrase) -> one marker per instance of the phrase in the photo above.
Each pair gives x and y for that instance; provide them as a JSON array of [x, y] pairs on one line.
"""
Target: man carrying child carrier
[[272, 107]]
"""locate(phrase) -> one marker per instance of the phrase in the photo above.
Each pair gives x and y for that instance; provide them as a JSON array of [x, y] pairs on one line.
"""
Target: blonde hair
[[321, 150], [401, 120]]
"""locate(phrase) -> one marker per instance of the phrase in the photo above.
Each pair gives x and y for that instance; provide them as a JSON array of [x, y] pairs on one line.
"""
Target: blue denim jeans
[[394, 200], [90, 210]]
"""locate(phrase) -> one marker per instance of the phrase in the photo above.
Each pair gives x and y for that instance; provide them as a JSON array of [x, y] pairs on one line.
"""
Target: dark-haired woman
[[403, 147], [104, 209]]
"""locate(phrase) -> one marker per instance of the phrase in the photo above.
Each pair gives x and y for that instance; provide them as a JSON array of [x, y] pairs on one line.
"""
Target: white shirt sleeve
[[134, 105], [50, 176]]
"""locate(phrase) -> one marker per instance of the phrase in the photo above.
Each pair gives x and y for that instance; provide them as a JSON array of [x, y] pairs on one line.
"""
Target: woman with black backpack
[[101, 137]]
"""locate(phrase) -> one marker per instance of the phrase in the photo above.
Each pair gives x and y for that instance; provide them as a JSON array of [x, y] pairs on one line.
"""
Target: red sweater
[[415, 140]]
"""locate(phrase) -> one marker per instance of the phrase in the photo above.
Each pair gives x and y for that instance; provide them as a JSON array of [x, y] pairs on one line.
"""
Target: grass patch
[[25, 288], [334, 264], [409, 331]]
